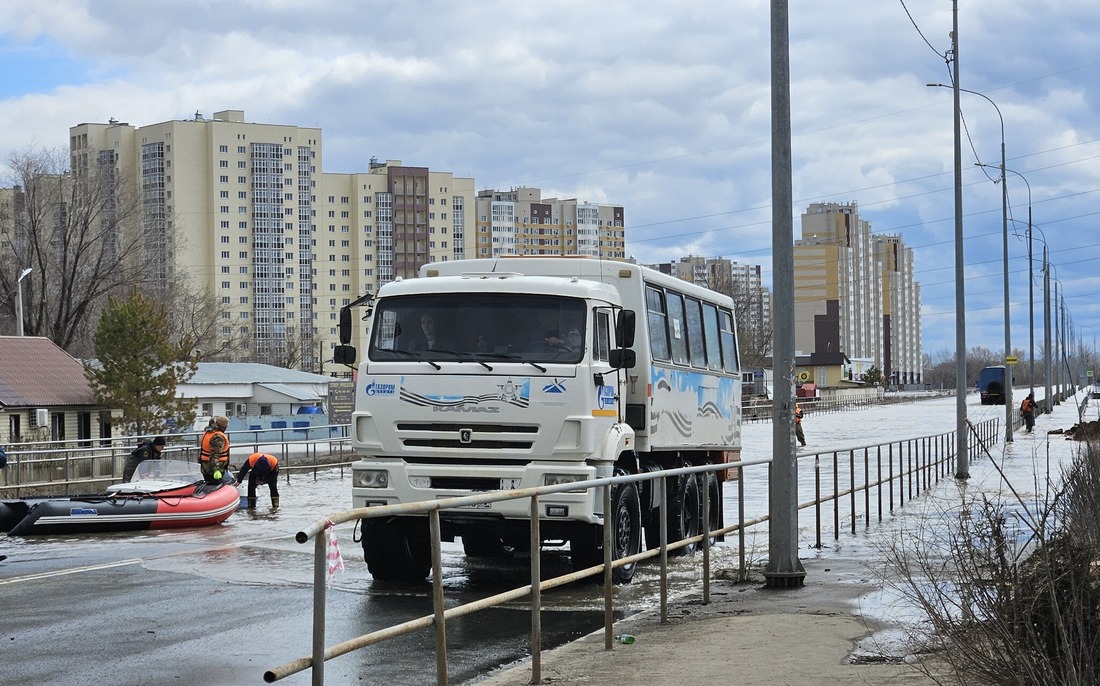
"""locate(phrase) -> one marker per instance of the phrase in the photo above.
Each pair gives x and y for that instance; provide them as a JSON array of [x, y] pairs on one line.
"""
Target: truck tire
[[685, 514], [397, 550], [715, 520], [586, 545], [485, 545]]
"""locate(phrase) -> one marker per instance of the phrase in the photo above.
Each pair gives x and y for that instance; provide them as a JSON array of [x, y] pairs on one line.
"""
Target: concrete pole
[[784, 569], [1057, 344], [1030, 300], [1048, 371], [1008, 309], [961, 384]]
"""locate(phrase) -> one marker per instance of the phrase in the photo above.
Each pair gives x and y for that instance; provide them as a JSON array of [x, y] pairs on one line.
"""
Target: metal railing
[[912, 466], [761, 410], [922, 462], [63, 465]]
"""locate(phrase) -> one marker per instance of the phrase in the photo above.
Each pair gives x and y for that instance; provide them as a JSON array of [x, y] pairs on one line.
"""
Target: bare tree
[[77, 233], [754, 328]]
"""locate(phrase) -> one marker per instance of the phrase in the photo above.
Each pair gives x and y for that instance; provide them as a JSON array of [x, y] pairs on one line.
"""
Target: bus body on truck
[[515, 372]]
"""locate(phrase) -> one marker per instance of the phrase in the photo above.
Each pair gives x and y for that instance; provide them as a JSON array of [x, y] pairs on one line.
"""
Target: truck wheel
[[714, 519], [685, 514], [397, 550], [485, 545], [586, 545], [626, 537]]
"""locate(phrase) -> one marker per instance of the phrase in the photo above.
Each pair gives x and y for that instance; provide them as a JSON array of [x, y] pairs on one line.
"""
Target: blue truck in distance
[[991, 385]]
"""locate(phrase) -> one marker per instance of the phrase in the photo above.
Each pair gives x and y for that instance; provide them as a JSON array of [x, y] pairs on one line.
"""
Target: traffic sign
[[1010, 359]]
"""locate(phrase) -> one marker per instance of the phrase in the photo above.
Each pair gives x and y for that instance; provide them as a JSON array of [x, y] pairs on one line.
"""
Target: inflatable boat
[[163, 494]]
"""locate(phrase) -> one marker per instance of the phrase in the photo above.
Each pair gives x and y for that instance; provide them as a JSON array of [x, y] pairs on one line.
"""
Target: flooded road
[[223, 604]]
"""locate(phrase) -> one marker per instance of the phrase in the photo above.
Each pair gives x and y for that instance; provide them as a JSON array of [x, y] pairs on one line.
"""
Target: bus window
[[677, 328], [710, 329], [696, 348], [729, 343], [658, 328]]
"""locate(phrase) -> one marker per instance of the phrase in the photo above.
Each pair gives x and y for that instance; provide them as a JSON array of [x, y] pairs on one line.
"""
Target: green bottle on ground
[[625, 639]]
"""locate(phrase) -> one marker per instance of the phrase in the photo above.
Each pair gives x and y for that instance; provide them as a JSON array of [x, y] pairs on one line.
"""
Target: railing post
[[663, 512], [890, 470], [817, 498], [852, 486], [742, 571], [437, 602], [706, 536], [608, 601], [836, 496], [878, 480], [320, 567], [536, 594], [867, 487]]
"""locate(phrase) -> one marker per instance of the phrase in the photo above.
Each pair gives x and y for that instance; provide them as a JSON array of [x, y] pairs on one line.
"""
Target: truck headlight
[[555, 479], [370, 478]]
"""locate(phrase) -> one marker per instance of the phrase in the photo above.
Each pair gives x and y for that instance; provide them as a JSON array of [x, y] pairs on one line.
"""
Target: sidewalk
[[747, 635]]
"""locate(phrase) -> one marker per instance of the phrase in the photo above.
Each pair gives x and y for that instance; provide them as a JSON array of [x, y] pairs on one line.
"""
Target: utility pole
[[962, 434], [784, 569]]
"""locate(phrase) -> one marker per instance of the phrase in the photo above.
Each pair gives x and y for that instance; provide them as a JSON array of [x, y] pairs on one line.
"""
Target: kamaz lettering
[[467, 408]]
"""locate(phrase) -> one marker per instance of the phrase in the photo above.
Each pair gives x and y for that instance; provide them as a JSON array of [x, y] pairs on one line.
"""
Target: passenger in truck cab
[[548, 333], [430, 336]]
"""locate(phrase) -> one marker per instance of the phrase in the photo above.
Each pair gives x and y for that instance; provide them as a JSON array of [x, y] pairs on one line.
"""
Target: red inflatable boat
[[163, 494]]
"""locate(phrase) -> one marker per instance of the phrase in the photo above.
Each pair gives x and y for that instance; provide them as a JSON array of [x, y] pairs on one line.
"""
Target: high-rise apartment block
[[855, 293], [521, 222], [244, 212], [742, 281]]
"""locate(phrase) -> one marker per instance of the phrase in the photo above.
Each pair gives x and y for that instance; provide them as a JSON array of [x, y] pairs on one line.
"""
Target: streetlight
[[19, 302], [1004, 230], [1030, 286], [962, 435]]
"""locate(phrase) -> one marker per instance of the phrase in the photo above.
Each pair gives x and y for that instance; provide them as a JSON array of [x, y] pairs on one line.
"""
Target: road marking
[[72, 570], [132, 561]]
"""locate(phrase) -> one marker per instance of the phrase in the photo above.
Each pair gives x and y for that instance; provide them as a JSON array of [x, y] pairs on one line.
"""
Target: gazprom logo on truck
[[376, 388]]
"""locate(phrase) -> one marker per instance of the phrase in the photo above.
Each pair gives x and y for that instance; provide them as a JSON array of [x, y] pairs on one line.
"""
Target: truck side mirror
[[622, 358], [345, 327], [344, 354], [624, 328]]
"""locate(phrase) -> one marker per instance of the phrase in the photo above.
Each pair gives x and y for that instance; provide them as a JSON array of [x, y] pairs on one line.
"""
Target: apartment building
[[855, 293], [521, 222], [742, 281], [243, 211]]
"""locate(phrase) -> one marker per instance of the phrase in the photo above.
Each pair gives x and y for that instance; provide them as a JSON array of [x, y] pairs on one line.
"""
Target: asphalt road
[[221, 605]]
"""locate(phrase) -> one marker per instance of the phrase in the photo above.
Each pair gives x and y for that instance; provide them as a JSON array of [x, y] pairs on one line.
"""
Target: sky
[[661, 107]]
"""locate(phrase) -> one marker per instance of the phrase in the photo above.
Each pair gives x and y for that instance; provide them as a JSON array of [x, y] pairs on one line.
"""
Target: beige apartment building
[[855, 293], [245, 213], [521, 222]]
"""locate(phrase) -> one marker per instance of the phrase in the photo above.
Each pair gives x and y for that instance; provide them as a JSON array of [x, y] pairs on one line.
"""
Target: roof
[[294, 392], [251, 372], [35, 372]]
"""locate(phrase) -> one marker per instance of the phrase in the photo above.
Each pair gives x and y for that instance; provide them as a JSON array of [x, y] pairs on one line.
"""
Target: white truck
[[515, 372]]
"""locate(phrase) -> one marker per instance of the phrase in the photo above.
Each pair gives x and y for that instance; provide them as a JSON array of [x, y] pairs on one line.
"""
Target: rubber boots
[[252, 503], [275, 503]]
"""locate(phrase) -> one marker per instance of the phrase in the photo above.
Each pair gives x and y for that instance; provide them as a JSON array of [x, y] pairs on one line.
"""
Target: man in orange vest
[[261, 468], [1027, 411], [214, 450], [798, 425]]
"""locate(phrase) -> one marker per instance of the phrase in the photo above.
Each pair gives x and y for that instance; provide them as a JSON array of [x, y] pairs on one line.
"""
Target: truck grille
[[467, 436]]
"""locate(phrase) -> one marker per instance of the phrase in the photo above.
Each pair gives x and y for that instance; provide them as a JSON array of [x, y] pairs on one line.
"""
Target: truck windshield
[[479, 327]]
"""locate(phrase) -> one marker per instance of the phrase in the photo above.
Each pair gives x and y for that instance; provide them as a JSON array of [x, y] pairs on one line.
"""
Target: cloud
[[662, 107]]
